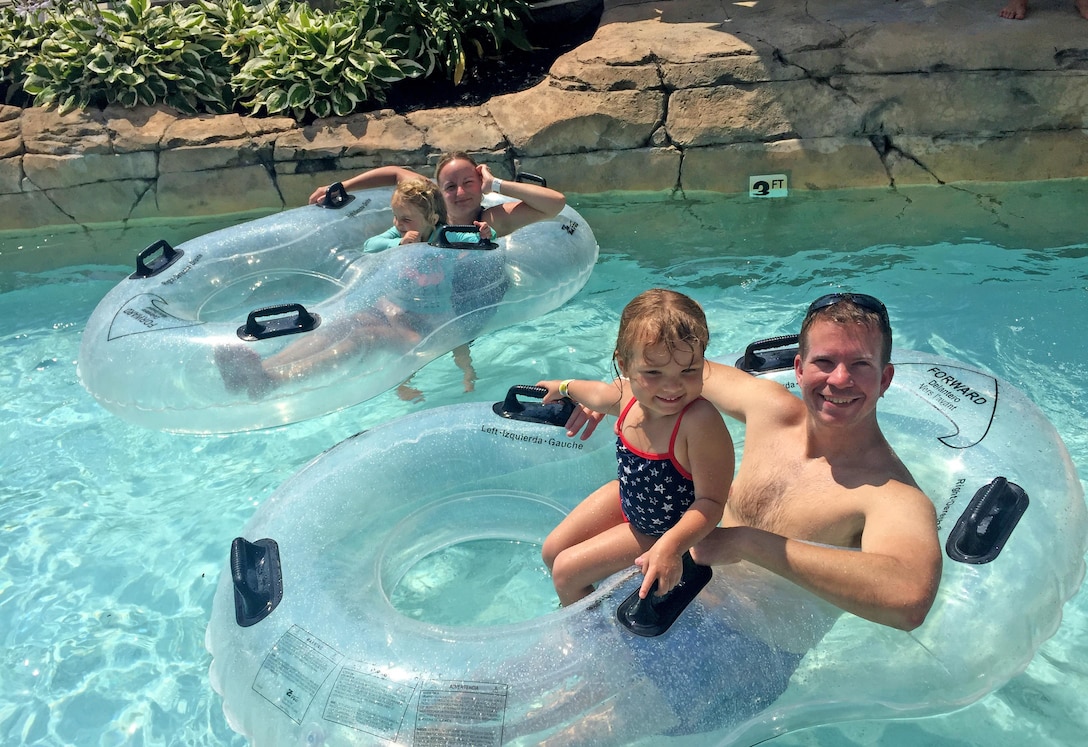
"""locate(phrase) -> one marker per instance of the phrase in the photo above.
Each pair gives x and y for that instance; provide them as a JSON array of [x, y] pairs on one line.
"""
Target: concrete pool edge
[[1025, 215]]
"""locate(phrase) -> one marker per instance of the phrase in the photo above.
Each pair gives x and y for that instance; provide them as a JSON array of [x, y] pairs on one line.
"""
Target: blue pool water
[[112, 537]]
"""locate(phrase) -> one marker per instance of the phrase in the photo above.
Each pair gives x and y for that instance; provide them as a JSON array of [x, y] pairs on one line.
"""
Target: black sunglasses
[[869, 303]]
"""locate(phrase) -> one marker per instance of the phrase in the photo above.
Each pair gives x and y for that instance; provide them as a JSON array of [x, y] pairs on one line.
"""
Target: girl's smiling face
[[664, 379]]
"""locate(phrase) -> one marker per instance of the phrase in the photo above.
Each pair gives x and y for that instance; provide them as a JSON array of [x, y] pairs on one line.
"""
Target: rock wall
[[671, 95]]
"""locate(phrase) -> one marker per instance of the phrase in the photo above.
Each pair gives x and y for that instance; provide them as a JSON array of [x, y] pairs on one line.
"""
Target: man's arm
[[734, 392], [738, 393], [892, 580]]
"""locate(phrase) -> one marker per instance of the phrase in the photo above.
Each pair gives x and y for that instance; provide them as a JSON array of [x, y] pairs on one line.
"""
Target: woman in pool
[[463, 183], [674, 452], [418, 212]]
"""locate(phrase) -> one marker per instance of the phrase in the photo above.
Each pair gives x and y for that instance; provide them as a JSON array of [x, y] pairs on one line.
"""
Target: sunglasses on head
[[869, 303]]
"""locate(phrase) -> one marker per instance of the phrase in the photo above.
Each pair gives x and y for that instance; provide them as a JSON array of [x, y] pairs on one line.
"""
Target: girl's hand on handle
[[593, 400], [583, 417], [552, 386], [659, 565]]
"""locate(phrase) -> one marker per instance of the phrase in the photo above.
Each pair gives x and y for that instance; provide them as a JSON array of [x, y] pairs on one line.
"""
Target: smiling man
[[820, 497]]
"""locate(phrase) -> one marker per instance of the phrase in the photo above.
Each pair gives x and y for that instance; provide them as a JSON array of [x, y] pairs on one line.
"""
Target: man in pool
[[820, 498]]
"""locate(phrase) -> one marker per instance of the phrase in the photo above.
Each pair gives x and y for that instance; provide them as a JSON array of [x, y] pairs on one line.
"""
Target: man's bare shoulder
[[893, 486], [895, 502], [890, 471], [869, 510]]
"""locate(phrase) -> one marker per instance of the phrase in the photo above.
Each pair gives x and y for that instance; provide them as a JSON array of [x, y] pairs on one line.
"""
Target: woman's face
[[462, 189]]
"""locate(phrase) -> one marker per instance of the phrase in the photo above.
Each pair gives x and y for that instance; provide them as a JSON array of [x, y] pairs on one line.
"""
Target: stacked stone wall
[[681, 95]]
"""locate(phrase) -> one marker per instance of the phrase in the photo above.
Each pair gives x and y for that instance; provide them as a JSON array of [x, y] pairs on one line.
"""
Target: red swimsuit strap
[[671, 456]]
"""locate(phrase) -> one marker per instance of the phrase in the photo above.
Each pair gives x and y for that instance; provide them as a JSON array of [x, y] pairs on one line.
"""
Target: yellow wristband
[[564, 388]]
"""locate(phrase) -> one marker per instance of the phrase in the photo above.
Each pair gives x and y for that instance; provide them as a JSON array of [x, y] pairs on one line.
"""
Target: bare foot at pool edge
[[409, 393], [241, 370], [1017, 9], [1082, 8], [232, 368]]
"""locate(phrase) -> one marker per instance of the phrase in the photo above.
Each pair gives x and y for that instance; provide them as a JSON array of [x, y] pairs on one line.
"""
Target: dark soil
[[511, 71]]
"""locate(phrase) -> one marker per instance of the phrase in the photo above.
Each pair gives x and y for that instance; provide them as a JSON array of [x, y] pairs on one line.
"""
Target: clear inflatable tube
[[751, 658], [165, 348]]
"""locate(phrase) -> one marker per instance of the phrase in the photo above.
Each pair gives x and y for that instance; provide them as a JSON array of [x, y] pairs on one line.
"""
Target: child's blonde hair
[[660, 316], [424, 195]]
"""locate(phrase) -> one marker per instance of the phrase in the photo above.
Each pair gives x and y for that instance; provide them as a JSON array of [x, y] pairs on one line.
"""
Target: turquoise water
[[112, 537], [442, 587]]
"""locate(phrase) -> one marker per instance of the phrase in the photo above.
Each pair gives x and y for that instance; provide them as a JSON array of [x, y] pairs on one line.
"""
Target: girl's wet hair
[[661, 317], [424, 195]]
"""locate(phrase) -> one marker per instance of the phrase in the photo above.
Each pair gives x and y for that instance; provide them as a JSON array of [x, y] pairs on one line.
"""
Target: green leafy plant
[[446, 35], [311, 63], [131, 53], [243, 24], [274, 56], [22, 29]]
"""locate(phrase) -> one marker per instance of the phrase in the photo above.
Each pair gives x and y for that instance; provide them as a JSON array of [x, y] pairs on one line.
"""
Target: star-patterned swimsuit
[[655, 490]]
